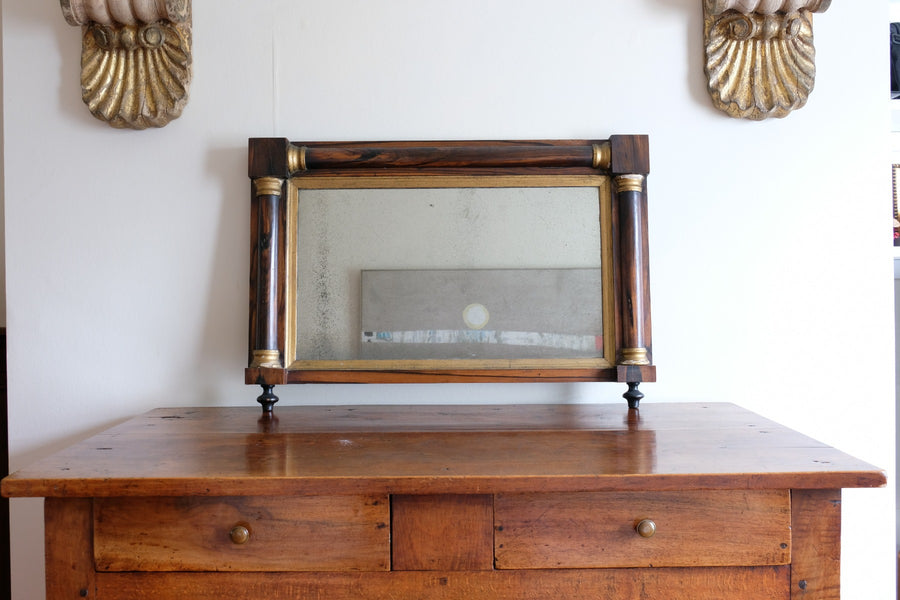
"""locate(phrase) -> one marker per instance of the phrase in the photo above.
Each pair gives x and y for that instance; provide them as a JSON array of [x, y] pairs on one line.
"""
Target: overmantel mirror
[[440, 262]]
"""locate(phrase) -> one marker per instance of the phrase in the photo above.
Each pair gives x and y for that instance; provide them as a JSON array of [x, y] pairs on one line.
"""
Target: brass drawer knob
[[239, 534], [646, 528]]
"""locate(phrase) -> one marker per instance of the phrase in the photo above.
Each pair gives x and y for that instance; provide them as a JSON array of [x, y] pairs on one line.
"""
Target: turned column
[[264, 351], [265, 344], [629, 197]]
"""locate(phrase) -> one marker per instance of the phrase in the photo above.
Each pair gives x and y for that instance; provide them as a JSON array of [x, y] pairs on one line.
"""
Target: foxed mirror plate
[[396, 273]]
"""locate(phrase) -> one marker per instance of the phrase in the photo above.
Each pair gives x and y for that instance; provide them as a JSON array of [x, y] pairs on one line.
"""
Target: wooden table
[[675, 501]]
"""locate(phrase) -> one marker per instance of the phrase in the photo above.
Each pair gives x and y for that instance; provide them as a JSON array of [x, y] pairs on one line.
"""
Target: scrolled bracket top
[[124, 12], [766, 7], [760, 56], [135, 59]]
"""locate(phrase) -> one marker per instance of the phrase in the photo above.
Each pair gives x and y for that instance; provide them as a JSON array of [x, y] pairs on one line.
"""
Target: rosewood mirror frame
[[279, 167]]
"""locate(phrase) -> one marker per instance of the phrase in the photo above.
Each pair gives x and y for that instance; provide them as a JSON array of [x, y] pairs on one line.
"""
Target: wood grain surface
[[67, 549], [760, 583], [306, 533], [442, 532], [592, 530], [440, 449], [816, 565], [445, 503]]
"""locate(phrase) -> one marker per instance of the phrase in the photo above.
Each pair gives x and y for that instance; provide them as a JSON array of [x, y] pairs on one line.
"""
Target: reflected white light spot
[[476, 316]]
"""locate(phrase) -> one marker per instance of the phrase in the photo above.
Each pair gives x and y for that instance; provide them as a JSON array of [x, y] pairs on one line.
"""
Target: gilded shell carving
[[136, 76], [760, 65], [135, 59]]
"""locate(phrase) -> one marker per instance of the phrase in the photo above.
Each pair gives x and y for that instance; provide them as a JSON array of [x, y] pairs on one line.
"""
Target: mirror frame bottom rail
[[274, 162], [619, 373]]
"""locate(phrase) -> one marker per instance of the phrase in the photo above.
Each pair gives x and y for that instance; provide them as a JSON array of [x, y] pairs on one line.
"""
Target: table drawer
[[595, 530], [315, 533]]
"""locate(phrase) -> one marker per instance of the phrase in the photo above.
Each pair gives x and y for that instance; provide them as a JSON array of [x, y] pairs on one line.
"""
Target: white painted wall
[[2, 203], [771, 258]]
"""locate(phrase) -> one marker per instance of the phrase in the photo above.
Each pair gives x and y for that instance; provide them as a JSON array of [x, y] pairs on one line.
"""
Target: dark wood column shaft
[[265, 346], [632, 247]]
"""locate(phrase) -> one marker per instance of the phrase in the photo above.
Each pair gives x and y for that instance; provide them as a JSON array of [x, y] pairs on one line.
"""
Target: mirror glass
[[496, 275]]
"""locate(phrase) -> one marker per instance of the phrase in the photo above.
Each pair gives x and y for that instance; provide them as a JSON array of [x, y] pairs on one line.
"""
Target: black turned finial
[[267, 399], [633, 395]]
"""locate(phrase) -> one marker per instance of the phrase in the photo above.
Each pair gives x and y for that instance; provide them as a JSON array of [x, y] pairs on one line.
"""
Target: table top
[[400, 449]]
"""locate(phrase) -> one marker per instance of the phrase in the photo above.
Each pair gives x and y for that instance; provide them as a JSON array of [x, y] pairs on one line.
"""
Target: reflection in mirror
[[461, 273]]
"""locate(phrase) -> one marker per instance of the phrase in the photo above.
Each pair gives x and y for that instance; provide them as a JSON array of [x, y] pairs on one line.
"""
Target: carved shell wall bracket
[[135, 59], [760, 57]]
